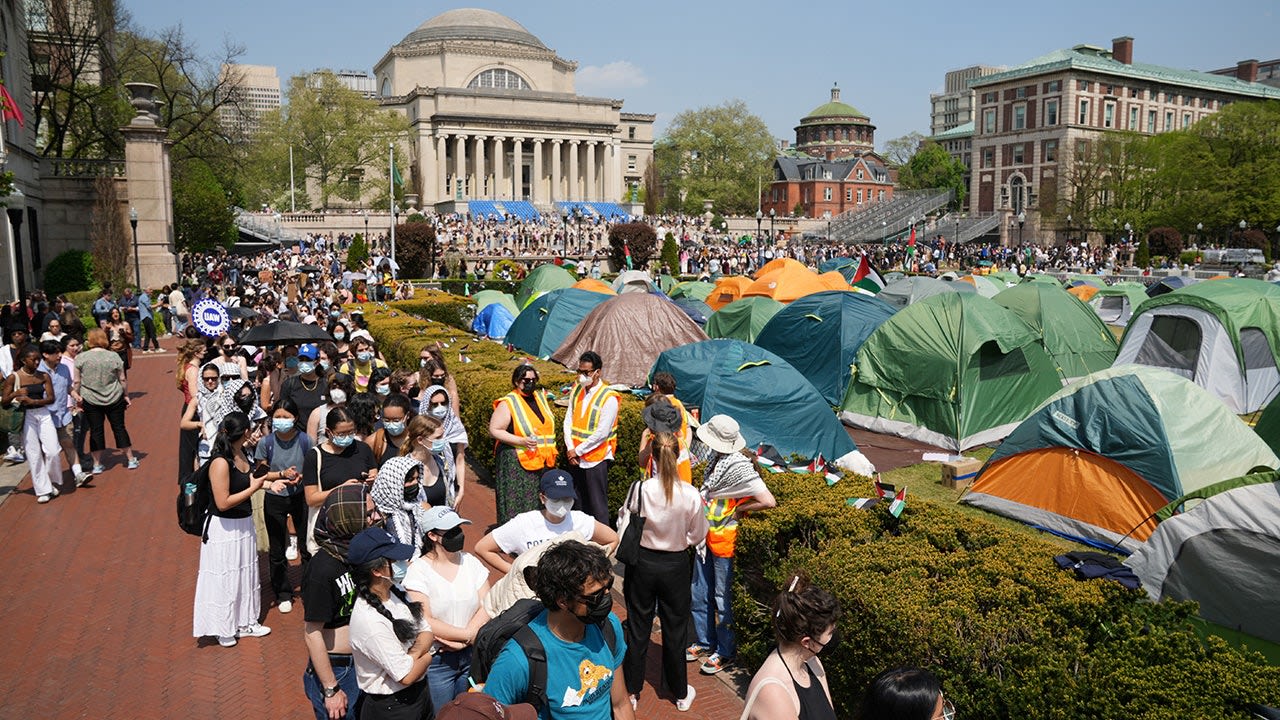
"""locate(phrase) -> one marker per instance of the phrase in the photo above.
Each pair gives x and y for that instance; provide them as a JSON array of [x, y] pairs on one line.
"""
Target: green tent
[[820, 334], [485, 298], [985, 286], [772, 402], [1074, 279], [547, 321], [1116, 304], [913, 289], [694, 289], [743, 319], [1075, 338], [953, 370], [1268, 425], [543, 279], [1008, 277], [1042, 278]]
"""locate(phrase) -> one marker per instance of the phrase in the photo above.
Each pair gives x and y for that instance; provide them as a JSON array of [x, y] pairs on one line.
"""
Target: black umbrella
[[307, 269], [284, 332], [241, 312]]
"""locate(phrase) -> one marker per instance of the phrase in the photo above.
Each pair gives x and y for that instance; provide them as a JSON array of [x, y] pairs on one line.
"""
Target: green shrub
[[1142, 256], [471, 285], [357, 253], [71, 271], [1190, 257], [671, 256]]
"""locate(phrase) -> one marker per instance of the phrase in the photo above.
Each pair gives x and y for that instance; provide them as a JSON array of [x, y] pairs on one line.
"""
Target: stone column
[[499, 162], [517, 171], [459, 167], [591, 194], [149, 191], [535, 188], [482, 173], [442, 170], [574, 183], [557, 193]]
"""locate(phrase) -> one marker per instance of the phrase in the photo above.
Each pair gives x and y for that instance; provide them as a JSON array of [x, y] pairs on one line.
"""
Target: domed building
[[497, 124], [832, 168]]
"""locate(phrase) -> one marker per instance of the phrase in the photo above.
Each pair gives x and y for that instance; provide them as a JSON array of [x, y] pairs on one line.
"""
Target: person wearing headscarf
[[424, 442], [439, 403], [397, 492], [328, 593]]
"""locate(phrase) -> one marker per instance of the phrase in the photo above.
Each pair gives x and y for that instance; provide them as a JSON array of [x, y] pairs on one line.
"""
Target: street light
[[771, 214], [17, 205], [137, 268], [1068, 227], [577, 213], [759, 218], [1128, 230], [884, 232], [826, 214], [365, 213], [1022, 220], [564, 230]]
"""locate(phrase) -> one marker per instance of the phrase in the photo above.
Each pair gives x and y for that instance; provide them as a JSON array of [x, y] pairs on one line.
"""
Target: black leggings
[[276, 511], [149, 334], [114, 414]]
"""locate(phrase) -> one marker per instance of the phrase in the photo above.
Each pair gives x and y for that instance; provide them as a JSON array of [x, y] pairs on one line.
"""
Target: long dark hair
[[901, 694], [405, 630], [232, 428]]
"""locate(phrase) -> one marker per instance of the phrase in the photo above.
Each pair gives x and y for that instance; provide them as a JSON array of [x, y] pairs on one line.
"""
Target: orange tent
[[727, 290], [781, 263], [789, 283], [1084, 292], [594, 285], [834, 281]]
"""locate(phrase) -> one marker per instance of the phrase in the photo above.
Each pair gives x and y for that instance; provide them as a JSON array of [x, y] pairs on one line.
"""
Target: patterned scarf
[[454, 431], [388, 495], [341, 517]]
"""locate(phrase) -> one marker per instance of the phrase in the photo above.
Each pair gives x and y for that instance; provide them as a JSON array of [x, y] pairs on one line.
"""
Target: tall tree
[[933, 167], [110, 240], [716, 153], [899, 151], [202, 216]]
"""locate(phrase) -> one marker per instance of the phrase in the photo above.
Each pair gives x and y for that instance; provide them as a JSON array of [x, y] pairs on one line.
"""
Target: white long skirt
[[228, 596]]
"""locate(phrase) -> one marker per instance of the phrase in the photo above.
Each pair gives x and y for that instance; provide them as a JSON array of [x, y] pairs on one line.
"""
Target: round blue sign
[[210, 318]]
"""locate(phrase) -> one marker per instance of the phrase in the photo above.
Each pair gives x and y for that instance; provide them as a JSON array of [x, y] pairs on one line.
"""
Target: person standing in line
[[279, 457], [60, 410], [791, 684], [31, 388], [18, 338], [591, 435], [129, 311], [524, 433], [227, 598], [178, 306], [676, 522], [146, 317], [77, 456], [100, 388], [308, 388]]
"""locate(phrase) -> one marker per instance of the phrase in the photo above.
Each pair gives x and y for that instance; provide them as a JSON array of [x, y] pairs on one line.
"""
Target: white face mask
[[584, 380], [558, 509], [337, 397]]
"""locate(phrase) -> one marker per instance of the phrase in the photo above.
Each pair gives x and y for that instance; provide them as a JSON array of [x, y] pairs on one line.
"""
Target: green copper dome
[[834, 109]]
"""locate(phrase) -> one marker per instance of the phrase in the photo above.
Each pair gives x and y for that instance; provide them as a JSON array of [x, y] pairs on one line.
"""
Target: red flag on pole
[[11, 109]]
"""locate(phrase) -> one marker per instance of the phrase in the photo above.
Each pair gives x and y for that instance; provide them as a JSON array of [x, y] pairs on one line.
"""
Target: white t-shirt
[[454, 602], [380, 658], [532, 528]]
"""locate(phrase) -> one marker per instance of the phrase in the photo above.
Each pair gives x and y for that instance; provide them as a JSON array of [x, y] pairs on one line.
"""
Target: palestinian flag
[[866, 277], [911, 244], [862, 503], [899, 503], [883, 489], [626, 252]]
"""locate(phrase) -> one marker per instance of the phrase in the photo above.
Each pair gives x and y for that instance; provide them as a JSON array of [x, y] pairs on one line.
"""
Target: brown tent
[[629, 331]]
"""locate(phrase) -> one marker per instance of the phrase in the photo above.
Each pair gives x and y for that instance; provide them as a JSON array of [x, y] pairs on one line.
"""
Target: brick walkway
[[97, 590]]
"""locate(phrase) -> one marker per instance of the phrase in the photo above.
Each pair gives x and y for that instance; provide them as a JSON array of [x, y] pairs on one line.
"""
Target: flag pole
[[391, 185], [293, 207]]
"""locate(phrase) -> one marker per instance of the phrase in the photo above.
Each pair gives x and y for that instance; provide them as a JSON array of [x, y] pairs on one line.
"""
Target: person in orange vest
[[731, 486], [664, 384], [661, 416], [591, 436], [524, 431]]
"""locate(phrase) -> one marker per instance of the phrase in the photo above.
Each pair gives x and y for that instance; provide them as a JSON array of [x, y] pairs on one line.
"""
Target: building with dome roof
[[497, 123], [833, 166]]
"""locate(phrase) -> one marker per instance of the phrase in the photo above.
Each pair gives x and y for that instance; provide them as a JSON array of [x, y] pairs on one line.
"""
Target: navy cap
[[376, 543], [557, 485]]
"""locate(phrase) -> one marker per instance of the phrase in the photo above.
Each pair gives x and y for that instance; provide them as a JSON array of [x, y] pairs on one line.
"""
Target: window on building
[[1050, 150], [38, 15], [1111, 90], [631, 163], [1082, 85], [848, 195], [861, 174], [1168, 120], [1188, 100], [1019, 153], [1053, 86], [1082, 149], [1186, 120], [1133, 119], [498, 78], [1108, 115], [631, 132], [988, 121], [1084, 112], [880, 196], [826, 194], [988, 157], [1135, 92], [859, 197], [1050, 112], [1020, 93], [1019, 117], [1151, 121]]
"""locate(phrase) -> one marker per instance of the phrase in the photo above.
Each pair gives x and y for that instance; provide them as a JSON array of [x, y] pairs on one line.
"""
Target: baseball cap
[[309, 320], [478, 706], [557, 485], [309, 351], [376, 543], [442, 517]]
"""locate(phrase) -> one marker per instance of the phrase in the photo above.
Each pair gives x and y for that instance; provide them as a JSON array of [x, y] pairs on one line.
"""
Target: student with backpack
[[580, 641], [279, 456], [227, 599]]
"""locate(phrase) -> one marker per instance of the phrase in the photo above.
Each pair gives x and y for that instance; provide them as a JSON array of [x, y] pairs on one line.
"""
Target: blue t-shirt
[[579, 675]]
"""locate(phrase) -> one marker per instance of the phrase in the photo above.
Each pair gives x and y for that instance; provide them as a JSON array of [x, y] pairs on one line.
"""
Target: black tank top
[[239, 483], [814, 704]]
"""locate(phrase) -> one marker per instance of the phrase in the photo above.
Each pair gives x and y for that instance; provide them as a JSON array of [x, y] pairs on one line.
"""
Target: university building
[[1035, 120], [832, 168], [495, 118]]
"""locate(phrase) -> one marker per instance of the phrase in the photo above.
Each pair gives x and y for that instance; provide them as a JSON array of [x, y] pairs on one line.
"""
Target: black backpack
[[514, 623], [195, 500]]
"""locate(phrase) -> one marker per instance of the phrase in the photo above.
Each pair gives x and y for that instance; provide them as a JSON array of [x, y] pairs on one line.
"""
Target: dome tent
[[493, 321], [697, 310], [953, 370], [694, 289], [1099, 458], [594, 285], [1115, 305], [726, 290], [742, 319], [771, 401], [543, 279], [629, 331], [908, 290], [488, 297], [820, 335], [792, 281], [1070, 332], [547, 321]]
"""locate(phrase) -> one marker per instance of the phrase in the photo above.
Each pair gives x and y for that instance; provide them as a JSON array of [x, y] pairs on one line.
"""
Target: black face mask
[[597, 609], [831, 645], [245, 402], [528, 386], [411, 492], [452, 540]]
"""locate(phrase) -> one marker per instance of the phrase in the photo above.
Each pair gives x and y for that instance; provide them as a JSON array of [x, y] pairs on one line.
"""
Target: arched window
[[499, 78], [386, 88]]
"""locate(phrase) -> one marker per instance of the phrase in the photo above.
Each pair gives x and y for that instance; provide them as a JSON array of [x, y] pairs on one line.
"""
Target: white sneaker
[[285, 606], [254, 630], [686, 702], [291, 552], [227, 641]]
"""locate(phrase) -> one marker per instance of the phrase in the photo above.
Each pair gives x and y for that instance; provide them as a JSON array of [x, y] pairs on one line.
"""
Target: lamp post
[[955, 239], [395, 220], [826, 215], [1199, 233], [1068, 227], [137, 267], [17, 205], [564, 231], [577, 212], [771, 215], [1128, 231], [884, 232], [759, 219], [365, 213], [1022, 220]]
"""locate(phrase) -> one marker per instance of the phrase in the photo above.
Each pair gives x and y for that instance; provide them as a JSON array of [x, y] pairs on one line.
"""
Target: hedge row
[[403, 328], [1009, 634]]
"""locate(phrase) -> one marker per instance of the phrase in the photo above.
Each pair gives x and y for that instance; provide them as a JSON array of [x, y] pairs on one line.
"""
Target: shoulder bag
[[631, 526]]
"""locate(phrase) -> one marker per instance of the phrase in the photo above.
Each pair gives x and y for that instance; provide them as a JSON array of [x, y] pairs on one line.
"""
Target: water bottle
[[189, 488]]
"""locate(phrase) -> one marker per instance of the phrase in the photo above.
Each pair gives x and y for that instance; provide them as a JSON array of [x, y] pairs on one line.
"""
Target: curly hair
[[364, 412], [564, 568], [802, 610]]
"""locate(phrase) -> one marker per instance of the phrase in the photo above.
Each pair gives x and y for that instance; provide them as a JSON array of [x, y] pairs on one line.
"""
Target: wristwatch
[[331, 691]]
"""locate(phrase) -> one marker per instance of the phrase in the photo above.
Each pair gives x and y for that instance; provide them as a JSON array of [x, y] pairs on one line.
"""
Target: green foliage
[[472, 285], [416, 249], [69, 272], [1142, 256], [357, 253], [1252, 238], [671, 256], [899, 151], [984, 607], [1190, 257], [1165, 241], [933, 167], [639, 236], [202, 217], [715, 153], [798, 210]]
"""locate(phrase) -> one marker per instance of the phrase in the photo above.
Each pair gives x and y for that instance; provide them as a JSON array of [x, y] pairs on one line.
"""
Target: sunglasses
[[597, 595], [210, 378], [948, 710]]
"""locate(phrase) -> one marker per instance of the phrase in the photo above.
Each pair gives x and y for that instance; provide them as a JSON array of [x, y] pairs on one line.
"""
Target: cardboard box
[[959, 474]]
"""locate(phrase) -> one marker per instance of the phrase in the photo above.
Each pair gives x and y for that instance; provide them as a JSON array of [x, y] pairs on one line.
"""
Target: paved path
[[97, 589]]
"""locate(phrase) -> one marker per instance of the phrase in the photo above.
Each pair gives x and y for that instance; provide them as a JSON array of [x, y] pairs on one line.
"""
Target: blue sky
[[781, 58]]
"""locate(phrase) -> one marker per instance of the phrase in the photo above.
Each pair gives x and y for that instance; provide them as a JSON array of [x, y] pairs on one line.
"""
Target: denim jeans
[[346, 676], [712, 604], [135, 324], [447, 676]]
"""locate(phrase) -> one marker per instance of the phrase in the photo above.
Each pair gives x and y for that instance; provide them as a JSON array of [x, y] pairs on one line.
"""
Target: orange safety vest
[[684, 464], [525, 423], [722, 534], [583, 421], [684, 418]]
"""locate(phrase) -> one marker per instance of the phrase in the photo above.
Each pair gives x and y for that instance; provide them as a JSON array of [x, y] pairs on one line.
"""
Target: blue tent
[[771, 401], [547, 321], [493, 321], [1168, 285], [697, 310], [820, 335]]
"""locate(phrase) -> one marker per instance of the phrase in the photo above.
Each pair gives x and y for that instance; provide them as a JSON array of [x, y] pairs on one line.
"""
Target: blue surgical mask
[[382, 389], [399, 569], [395, 427], [339, 335], [335, 313], [364, 356], [439, 446], [306, 367], [439, 410], [282, 425], [343, 441], [291, 363], [324, 365]]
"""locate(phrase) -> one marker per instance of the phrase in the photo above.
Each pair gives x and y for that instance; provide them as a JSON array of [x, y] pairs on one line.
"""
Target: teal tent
[[742, 319], [1076, 340], [547, 321], [697, 310], [820, 335], [543, 279], [836, 263], [772, 402]]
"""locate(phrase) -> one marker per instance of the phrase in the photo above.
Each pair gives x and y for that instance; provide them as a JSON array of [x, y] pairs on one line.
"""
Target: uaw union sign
[[210, 318]]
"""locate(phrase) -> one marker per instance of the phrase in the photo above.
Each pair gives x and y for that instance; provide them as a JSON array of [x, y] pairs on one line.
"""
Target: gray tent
[[909, 290], [629, 331], [1224, 554]]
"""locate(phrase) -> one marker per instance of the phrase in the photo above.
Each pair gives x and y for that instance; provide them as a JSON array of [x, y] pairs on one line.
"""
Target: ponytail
[[666, 450], [803, 610]]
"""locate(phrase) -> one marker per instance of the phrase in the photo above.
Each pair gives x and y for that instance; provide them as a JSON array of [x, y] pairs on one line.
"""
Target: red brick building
[[833, 166]]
